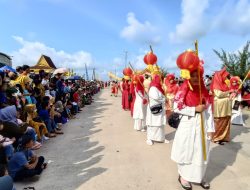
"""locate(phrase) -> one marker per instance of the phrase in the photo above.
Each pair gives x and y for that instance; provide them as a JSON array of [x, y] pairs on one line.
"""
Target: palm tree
[[237, 64]]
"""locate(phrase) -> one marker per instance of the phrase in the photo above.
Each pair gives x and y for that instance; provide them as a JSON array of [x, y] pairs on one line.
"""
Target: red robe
[[116, 89], [125, 93]]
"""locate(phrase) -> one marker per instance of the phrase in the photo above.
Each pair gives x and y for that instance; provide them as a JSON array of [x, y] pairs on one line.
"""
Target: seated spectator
[[6, 182], [25, 163], [6, 143], [39, 127], [14, 127], [45, 117]]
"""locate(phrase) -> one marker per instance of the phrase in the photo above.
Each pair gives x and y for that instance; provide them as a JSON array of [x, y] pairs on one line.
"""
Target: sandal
[[221, 143], [45, 165], [186, 186], [205, 185], [59, 132], [51, 135], [27, 188]]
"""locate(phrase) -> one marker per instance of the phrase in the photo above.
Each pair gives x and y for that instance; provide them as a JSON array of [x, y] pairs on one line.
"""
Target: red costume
[[171, 88], [125, 94], [191, 98], [235, 84]]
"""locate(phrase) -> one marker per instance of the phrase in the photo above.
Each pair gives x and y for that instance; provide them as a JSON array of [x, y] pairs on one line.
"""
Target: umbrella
[[60, 70], [6, 67]]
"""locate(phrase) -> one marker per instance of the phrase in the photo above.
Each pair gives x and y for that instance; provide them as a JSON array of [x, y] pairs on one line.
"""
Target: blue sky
[[98, 32]]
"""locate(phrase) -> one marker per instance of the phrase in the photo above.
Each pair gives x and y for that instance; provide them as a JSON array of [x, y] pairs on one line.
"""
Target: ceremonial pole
[[244, 80], [202, 119]]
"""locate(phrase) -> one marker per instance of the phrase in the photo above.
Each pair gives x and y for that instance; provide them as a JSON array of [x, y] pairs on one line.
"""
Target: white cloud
[[30, 52], [193, 23], [170, 62], [234, 17], [143, 33], [138, 62], [200, 17], [118, 62]]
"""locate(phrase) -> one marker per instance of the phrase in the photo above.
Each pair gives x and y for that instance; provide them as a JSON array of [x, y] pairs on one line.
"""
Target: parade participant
[[132, 95], [139, 114], [170, 89], [147, 82], [222, 106], [116, 86], [156, 117], [125, 102], [235, 89], [187, 150], [112, 87]]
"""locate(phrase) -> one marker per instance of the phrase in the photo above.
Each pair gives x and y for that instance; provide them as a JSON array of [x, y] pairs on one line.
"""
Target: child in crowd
[[39, 127], [24, 163]]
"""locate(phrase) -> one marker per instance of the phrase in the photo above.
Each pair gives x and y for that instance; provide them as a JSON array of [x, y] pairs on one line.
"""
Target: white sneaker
[[45, 138], [166, 141], [143, 130], [149, 142]]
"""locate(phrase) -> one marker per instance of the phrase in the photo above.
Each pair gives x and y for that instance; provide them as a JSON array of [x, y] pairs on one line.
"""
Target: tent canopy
[[74, 78], [6, 67]]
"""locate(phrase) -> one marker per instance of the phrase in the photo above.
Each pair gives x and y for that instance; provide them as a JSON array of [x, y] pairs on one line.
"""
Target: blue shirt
[[3, 98], [18, 161], [59, 86], [44, 115]]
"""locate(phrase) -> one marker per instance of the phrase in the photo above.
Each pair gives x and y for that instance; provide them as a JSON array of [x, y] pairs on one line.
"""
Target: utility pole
[[93, 75], [126, 57], [86, 70]]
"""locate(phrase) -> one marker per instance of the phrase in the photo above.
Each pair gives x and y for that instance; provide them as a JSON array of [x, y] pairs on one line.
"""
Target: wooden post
[[202, 119]]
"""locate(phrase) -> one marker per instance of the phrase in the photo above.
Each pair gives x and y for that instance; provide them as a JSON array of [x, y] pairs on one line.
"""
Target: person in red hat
[[170, 88], [139, 114], [156, 117], [222, 106], [237, 118], [187, 148], [125, 95]]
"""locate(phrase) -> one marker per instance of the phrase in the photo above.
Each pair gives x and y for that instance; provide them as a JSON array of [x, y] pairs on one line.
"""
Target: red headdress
[[139, 85], [171, 87], [156, 82], [233, 86], [191, 97], [218, 82]]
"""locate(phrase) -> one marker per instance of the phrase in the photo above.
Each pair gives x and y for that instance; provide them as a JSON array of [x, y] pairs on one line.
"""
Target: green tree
[[237, 64], [164, 71]]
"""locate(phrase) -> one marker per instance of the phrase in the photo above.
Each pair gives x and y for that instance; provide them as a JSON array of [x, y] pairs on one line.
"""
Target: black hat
[[25, 140]]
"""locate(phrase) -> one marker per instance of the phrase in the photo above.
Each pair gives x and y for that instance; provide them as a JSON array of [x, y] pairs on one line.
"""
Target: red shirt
[[76, 97]]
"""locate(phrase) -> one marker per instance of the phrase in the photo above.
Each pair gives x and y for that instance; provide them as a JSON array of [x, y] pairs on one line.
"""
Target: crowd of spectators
[[33, 109]]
